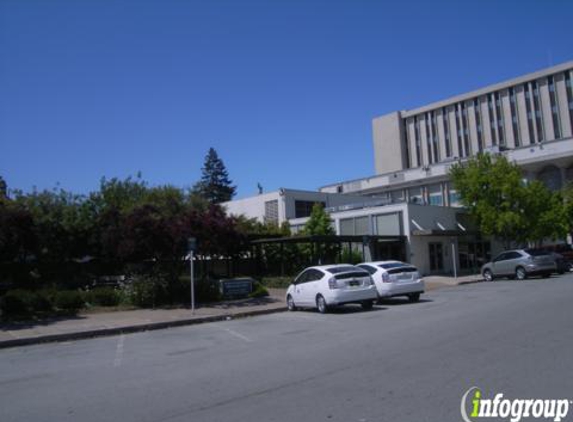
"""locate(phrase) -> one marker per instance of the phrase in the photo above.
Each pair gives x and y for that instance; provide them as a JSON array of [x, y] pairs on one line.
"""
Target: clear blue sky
[[284, 90]]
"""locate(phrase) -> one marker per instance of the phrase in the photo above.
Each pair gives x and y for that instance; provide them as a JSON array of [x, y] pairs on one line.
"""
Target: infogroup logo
[[515, 409]]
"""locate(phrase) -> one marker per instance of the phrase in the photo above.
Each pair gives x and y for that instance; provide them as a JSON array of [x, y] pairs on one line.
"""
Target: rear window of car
[[392, 265], [341, 269], [402, 270], [536, 252]]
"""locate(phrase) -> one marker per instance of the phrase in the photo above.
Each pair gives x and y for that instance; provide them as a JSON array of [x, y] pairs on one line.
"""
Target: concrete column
[[507, 123], [522, 114], [472, 128], [561, 91], [546, 113]]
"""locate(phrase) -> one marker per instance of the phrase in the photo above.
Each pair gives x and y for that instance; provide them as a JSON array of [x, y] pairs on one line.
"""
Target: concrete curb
[[81, 335], [462, 283]]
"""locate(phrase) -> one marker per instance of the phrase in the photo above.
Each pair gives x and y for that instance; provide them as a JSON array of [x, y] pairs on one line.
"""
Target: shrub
[[17, 302], [277, 282], [259, 291], [42, 301], [351, 256], [148, 291], [207, 290], [69, 301], [103, 296]]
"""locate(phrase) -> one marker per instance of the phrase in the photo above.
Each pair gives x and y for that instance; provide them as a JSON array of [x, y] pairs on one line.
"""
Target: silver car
[[519, 264]]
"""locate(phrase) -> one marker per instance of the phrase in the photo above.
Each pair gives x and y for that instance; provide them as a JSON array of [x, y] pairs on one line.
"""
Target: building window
[[304, 208], [355, 226], [514, 117], [453, 197], [537, 109], [362, 226], [407, 144], [397, 196], [446, 122], [429, 141], [272, 211], [554, 107], [416, 195], [435, 195], [389, 224], [465, 127], [569, 97], [477, 110], [500, 120], [492, 122], [435, 142], [417, 139], [459, 132]]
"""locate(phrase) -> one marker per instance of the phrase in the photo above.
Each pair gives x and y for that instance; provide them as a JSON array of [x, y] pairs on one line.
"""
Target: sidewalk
[[86, 325]]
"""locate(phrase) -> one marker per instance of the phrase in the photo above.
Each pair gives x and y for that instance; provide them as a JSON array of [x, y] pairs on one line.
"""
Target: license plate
[[403, 277], [354, 283]]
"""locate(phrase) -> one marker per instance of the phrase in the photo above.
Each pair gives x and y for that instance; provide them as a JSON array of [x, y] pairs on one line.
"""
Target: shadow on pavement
[[395, 301], [32, 323]]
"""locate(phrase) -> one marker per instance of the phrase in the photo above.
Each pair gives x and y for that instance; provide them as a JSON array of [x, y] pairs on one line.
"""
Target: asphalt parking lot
[[400, 361]]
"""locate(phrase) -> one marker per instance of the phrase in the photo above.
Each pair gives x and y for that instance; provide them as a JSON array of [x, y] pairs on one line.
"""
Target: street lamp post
[[192, 246]]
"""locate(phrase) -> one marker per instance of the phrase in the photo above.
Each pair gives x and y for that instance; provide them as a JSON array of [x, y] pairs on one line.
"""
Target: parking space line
[[238, 335], [119, 352]]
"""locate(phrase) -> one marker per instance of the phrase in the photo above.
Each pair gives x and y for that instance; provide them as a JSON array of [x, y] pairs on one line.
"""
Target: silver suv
[[520, 264]]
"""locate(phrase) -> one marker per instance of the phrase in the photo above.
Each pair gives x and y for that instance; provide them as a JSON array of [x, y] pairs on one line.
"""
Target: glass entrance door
[[436, 257]]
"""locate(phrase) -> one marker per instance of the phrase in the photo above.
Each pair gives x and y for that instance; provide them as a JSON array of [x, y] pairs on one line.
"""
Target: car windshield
[[536, 252], [341, 269], [393, 265]]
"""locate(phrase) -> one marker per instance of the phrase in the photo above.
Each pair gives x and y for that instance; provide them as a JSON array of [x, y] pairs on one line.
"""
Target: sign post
[[192, 246]]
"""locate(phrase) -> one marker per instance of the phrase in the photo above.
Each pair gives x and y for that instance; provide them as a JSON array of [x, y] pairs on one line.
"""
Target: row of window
[[455, 120], [381, 224], [439, 194]]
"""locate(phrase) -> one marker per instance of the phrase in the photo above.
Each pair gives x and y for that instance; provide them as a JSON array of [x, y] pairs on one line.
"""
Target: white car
[[395, 278], [331, 285]]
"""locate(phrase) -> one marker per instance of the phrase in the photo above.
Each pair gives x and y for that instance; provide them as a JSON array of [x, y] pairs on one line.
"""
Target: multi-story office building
[[529, 119]]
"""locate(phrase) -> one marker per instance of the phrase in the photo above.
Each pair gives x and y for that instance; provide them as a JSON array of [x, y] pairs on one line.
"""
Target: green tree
[[215, 185], [504, 205], [319, 222], [3, 189], [546, 213]]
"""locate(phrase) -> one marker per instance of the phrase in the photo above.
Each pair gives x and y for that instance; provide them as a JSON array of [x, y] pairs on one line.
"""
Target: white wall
[[254, 206]]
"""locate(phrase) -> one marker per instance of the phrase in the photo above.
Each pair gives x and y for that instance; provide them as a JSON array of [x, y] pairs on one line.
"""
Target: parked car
[[563, 249], [562, 264], [395, 278], [325, 286], [563, 254], [519, 264]]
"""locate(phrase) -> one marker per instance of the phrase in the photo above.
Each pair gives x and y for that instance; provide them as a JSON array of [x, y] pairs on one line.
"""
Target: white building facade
[[529, 119]]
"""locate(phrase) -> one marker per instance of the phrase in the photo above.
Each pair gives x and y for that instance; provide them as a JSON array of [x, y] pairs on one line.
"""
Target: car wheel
[[414, 297], [488, 275], [367, 305], [321, 304], [520, 273], [290, 304]]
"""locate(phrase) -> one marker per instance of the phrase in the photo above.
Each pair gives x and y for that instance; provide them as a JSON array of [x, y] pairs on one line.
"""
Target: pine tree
[[215, 185], [3, 188]]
